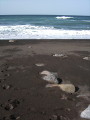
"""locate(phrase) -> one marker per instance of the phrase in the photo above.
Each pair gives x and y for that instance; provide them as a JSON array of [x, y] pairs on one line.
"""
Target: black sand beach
[[23, 92]]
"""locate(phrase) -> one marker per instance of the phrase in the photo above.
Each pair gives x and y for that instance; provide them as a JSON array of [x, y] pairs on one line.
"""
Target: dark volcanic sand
[[23, 94]]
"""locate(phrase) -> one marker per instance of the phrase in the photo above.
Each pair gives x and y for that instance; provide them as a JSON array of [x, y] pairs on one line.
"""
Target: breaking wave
[[40, 32]]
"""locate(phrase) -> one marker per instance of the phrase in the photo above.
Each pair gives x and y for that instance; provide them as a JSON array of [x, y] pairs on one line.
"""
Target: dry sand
[[23, 94]]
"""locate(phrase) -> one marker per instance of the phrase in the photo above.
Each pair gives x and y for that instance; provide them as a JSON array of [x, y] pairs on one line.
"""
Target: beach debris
[[39, 64], [86, 58], [51, 77], [69, 88], [60, 55], [11, 40], [86, 113]]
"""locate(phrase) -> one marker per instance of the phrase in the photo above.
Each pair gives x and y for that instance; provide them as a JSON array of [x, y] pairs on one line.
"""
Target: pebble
[[11, 40], [86, 113], [39, 64], [45, 72], [59, 55], [86, 58]]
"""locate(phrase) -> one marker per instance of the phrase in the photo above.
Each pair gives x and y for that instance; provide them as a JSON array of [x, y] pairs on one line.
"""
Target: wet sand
[[23, 92]]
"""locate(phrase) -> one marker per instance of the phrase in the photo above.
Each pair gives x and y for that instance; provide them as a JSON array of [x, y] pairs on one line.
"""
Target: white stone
[[49, 76], [86, 113], [59, 55], [45, 72], [11, 40], [39, 64], [86, 58]]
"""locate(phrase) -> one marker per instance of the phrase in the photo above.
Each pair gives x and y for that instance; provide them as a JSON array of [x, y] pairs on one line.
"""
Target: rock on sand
[[86, 113], [69, 88], [11, 40], [50, 76], [86, 58], [39, 64]]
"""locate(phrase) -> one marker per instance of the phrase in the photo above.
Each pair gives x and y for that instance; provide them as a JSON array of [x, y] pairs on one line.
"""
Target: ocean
[[44, 27]]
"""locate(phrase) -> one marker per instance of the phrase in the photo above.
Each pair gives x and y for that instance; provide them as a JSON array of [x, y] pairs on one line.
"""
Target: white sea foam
[[40, 32], [63, 17]]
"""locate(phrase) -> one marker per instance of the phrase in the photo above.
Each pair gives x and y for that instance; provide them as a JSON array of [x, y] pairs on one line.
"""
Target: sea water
[[44, 27]]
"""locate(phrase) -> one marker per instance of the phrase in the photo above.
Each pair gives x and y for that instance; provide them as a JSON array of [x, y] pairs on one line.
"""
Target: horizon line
[[45, 14]]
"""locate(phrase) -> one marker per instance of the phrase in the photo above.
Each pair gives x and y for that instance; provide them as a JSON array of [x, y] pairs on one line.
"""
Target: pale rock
[[11, 40], [69, 88], [86, 58], [86, 113], [39, 64], [59, 55], [45, 72]]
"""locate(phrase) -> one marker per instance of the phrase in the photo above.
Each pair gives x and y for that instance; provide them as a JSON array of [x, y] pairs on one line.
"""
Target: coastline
[[27, 92]]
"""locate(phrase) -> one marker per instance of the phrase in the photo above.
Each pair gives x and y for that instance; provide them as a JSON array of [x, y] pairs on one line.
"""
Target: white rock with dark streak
[[86, 113], [50, 76]]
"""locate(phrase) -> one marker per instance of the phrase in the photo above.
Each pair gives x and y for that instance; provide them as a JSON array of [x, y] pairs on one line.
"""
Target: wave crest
[[63, 17]]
